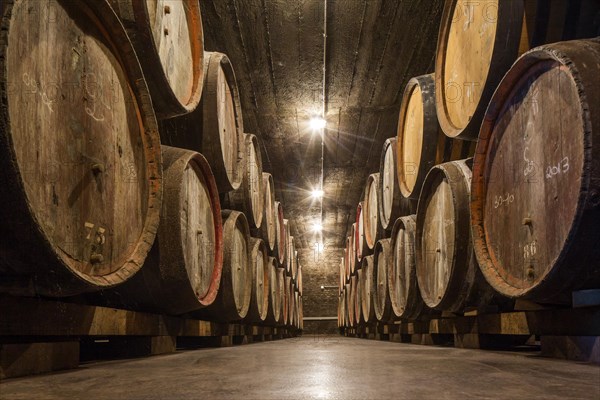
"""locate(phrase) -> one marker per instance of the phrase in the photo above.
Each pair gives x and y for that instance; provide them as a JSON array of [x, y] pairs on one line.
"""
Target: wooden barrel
[[290, 303], [342, 281], [371, 212], [358, 298], [168, 37], [268, 227], [367, 289], [293, 264], [215, 128], [420, 141], [233, 298], [80, 162], [276, 291], [352, 250], [272, 280], [300, 312], [259, 300], [299, 279], [536, 180], [382, 257], [249, 197], [190, 238], [402, 275], [477, 44], [286, 246], [391, 203], [347, 257], [279, 251], [360, 244], [350, 302], [286, 300], [182, 272], [447, 272]]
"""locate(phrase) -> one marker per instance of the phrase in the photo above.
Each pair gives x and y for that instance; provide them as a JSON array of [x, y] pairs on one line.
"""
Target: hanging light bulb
[[317, 123], [317, 193], [317, 227]]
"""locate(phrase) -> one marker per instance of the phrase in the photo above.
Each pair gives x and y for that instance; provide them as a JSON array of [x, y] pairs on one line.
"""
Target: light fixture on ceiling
[[317, 227], [317, 123], [317, 194]]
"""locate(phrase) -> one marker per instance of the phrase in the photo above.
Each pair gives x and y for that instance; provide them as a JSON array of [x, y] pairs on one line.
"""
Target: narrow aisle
[[319, 368]]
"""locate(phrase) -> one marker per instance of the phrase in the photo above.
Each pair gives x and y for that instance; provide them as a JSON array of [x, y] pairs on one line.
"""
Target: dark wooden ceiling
[[276, 47]]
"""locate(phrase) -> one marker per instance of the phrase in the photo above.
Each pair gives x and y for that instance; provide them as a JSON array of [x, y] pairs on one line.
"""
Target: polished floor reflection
[[319, 368]]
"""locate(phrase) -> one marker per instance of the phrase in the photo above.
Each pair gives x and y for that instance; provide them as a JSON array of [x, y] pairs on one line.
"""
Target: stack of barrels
[[490, 190], [126, 175]]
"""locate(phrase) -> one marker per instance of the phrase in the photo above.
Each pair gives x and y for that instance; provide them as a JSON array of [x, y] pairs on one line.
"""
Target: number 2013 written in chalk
[[561, 168]]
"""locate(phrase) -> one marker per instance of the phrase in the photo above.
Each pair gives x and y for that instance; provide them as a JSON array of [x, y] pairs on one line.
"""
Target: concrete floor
[[319, 368]]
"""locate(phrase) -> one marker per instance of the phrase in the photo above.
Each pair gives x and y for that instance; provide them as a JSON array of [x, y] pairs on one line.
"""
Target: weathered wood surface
[[279, 252], [402, 275], [448, 275], [536, 181], [392, 204], [268, 227], [233, 297], [360, 244], [368, 287], [80, 161], [168, 36], [249, 197], [371, 211], [274, 311], [182, 273], [477, 44], [381, 298], [259, 300]]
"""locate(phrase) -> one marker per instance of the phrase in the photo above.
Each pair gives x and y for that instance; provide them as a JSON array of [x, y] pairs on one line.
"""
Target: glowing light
[[317, 227], [317, 123], [317, 193]]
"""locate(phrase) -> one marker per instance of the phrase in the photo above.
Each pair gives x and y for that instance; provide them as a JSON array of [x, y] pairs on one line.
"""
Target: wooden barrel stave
[[358, 315], [286, 259], [279, 251], [259, 300], [367, 289], [371, 212], [382, 257], [477, 44], [249, 197], [268, 226], [402, 276], [362, 250], [352, 250], [233, 299], [286, 300], [547, 211], [275, 286], [447, 271], [90, 212], [391, 203], [170, 41]]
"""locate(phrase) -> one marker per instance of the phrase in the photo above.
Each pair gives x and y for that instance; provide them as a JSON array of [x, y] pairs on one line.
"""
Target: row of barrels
[[122, 149], [489, 200]]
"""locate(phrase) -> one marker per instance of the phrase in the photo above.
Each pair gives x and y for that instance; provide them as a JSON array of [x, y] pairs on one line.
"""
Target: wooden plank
[[35, 317], [20, 359], [576, 348]]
